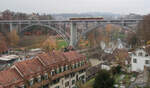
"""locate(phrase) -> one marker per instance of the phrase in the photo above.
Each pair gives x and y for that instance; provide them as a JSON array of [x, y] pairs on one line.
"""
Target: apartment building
[[46, 70]]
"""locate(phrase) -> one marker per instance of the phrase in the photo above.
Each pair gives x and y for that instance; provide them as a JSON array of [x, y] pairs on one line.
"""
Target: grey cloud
[[77, 6]]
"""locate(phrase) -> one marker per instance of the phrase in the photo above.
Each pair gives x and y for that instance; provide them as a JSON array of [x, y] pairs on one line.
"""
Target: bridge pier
[[73, 36], [13, 27]]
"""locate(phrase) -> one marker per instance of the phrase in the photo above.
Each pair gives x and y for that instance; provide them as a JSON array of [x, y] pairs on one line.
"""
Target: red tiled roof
[[58, 56], [122, 52], [52, 58], [9, 77], [73, 56], [29, 67], [47, 59]]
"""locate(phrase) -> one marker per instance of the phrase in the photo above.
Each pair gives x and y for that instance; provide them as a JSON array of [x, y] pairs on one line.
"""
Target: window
[[57, 87], [73, 66], [31, 82], [81, 71], [80, 63], [81, 77], [57, 71], [55, 81], [22, 86], [67, 67], [52, 72], [140, 54], [87, 60], [39, 78], [74, 87], [72, 74], [67, 84], [76, 65], [73, 82], [66, 76], [45, 76], [134, 60], [147, 62], [62, 68], [146, 55]]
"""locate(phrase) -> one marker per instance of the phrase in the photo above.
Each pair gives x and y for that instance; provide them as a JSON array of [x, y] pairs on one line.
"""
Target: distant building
[[34, 16], [7, 15], [7, 61], [8, 58], [111, 46], [140, 58], [46, 70]]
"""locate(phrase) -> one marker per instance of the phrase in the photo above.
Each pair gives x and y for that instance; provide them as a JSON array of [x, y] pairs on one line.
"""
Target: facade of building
[[46, 70], [140, 59]]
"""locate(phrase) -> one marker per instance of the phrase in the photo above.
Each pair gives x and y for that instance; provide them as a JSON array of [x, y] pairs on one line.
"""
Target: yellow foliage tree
[[49, 44], [148, 42], [13, 38], [108, 33]]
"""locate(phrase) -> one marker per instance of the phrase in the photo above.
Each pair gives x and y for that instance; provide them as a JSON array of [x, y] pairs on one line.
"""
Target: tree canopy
[[49, 44], [13, 38], [104, 80]]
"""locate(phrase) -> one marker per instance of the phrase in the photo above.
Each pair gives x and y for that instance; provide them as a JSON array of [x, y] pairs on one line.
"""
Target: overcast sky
[[77, 6]]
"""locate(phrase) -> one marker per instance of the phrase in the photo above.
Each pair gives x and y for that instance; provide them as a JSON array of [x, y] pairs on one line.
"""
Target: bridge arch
[[64, 35], [83, 34]]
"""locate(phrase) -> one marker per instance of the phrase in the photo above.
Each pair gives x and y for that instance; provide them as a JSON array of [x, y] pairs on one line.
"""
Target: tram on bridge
[[87, 18]]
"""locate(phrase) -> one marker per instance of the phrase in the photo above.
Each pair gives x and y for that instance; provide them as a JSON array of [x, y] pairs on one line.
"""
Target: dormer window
[[22, 86], [76, 65], [53, 72], [46, 76], [73, 66], [31, 82], [67, 67], [62, 68], [57, 71], [80, 63], [39, 78]]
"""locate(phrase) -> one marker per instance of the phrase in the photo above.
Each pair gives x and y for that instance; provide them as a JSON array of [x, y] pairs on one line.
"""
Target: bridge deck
[[67, 21]]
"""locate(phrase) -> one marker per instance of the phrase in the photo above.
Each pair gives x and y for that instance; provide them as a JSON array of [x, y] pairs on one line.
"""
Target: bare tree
[[143, 31]]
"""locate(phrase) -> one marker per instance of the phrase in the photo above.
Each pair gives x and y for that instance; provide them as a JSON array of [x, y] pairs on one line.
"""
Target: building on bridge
[[46, 70]]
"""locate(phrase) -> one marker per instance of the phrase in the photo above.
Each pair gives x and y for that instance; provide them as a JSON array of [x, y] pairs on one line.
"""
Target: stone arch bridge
[[77, 28]]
